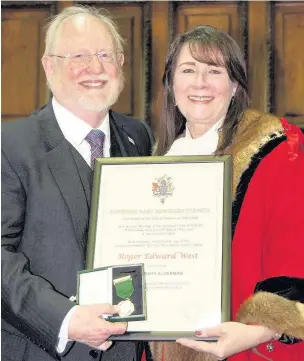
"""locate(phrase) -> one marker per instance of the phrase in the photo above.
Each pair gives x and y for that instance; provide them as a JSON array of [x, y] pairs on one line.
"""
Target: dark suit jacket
[[46, 186]]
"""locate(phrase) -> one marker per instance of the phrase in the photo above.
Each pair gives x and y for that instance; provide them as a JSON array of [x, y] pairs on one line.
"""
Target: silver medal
[[126, 308]]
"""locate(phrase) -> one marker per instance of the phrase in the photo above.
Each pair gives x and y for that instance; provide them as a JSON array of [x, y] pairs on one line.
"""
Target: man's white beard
[[89, 103], [94, 103]]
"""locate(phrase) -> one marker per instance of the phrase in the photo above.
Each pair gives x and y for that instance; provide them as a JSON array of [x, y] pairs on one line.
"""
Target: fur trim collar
[[255, 129], [275, 312]]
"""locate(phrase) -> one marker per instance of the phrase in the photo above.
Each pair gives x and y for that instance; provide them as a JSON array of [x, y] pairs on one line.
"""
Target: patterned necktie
[[96, 139]]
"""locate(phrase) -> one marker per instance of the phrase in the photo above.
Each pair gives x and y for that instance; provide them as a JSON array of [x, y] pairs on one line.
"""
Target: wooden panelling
[[23, 82], [289, 60], [129, 18], [60, 5], [272, 44], [259, 48], [223, 15], [160, 44]]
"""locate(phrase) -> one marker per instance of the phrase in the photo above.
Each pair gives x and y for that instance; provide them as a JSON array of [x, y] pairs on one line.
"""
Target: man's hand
[[88, 326], [233, 337]]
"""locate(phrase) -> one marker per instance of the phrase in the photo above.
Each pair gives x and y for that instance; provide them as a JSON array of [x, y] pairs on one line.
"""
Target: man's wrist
[[63, 337]]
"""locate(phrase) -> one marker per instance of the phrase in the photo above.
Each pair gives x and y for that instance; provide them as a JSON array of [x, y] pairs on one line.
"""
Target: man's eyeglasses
[[84, 58]]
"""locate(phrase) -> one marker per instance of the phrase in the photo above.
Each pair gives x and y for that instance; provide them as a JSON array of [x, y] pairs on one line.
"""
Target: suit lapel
[[117, 149], [68, 170], [65, 172], [122, 144], [85, 173]]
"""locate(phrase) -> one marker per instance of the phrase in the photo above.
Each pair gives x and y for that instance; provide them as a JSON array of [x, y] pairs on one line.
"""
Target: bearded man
[[47, 162]]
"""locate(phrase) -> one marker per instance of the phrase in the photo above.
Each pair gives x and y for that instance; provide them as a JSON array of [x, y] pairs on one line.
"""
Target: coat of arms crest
[[162, 187]]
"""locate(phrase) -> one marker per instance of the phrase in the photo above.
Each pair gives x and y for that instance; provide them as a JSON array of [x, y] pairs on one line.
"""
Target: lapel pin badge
[[131, 140]]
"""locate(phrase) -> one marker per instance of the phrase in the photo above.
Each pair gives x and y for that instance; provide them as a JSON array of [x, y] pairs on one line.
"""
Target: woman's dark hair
[[212, 46]]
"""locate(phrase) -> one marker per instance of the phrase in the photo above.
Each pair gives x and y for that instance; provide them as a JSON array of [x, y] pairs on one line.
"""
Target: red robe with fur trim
[[268, 241], [269, 237]]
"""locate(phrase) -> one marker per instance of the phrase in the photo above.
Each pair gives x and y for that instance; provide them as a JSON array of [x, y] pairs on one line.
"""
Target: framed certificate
[[173, 214]]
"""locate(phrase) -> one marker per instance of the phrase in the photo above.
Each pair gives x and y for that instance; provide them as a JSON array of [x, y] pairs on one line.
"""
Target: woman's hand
[[233, 337]]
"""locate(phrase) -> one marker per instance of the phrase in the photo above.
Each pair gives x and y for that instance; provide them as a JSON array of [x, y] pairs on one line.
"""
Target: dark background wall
[[270, 33]]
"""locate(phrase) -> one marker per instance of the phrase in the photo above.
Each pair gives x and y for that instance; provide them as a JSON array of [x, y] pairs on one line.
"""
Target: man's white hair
[[101, 14]]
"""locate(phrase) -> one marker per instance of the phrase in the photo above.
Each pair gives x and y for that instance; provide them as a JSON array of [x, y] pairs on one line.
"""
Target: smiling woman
[[204, 86], [204, 111]]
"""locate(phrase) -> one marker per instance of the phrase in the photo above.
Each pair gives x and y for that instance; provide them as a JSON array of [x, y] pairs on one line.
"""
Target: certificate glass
[[173, 214]]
